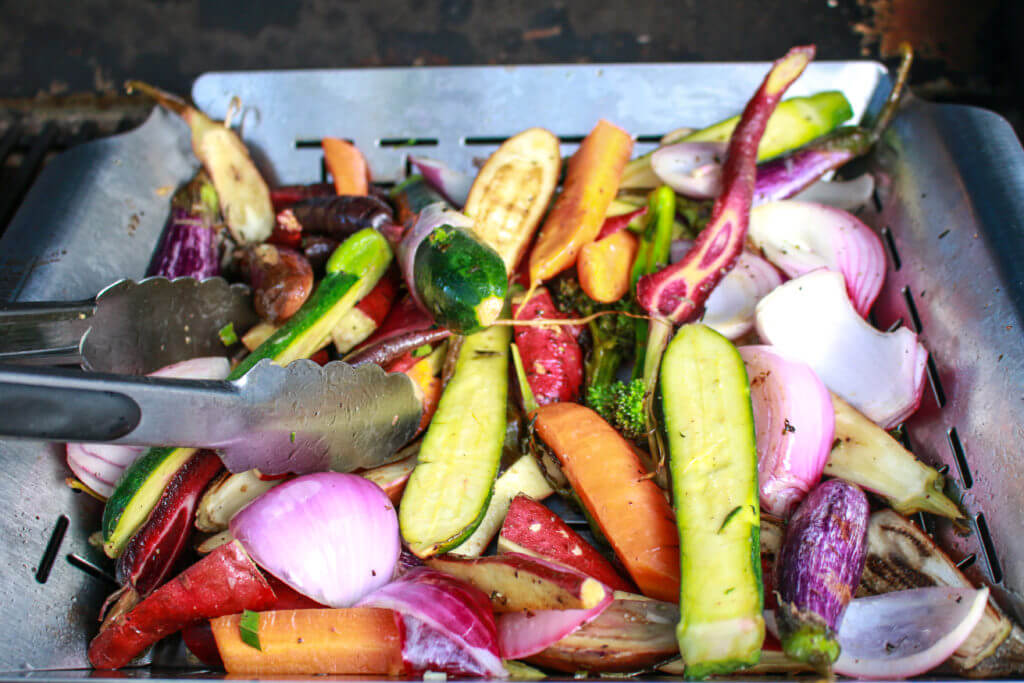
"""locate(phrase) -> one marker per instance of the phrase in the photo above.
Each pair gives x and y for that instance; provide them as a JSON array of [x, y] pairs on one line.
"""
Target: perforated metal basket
[[950, 208]]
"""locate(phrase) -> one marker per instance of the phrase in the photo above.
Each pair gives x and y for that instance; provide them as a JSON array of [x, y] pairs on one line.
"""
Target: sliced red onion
[[454, 185], [521, 634], [729, 310], [906, 633], [799, 237], [850, 195], [881, 374], [99, 465], [693, 169], [332, 537], [449, 625], [795, 425], [430, 217]]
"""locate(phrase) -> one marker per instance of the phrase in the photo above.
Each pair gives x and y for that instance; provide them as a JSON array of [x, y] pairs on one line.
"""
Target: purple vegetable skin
[[819, 568], [190, 244], [785, 176], [336, 217]]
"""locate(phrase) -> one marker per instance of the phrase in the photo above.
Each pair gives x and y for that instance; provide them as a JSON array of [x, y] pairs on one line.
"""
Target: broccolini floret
[[621, 404]]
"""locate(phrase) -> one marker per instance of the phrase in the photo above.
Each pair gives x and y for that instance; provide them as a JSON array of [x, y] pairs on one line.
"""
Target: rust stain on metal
[[947, 30]]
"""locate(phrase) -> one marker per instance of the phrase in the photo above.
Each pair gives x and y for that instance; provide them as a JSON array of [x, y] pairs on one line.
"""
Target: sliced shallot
[[881, 374], [729, 310], [849, 195], [799, 237], [693, 169], [795, 424]]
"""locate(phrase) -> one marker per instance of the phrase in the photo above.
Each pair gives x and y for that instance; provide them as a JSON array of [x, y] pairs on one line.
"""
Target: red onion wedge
[[795, 424], [693, 169], [799, 237], [99, 465], [849, 195], [521, 634], [448, 624], [906, 633], [332, 537], [729, 309], [454, 185], [881, 374]]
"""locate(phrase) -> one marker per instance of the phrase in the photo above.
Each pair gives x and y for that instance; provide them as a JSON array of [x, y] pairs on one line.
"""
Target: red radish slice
[[521, 634], [799, 237], [454, 185], [906, 633], [729, 309], [811, 318], [99, 465]]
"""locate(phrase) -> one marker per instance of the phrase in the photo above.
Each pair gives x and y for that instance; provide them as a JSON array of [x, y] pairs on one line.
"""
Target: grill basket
[[949, 207]]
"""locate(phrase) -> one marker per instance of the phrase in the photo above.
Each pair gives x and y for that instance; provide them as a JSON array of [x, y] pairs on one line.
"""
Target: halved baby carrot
[[604, 266], [347, 166], [631, 510], [353, 640], [591, 182]]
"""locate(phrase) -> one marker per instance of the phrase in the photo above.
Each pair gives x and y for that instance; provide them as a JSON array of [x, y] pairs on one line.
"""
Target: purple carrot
[[785, 176], [819, 568], [190, 243], [678, 291], [337, 217]]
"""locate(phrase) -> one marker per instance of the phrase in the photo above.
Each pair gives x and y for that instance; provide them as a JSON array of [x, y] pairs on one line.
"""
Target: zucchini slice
[[448, 493], [709, 427]]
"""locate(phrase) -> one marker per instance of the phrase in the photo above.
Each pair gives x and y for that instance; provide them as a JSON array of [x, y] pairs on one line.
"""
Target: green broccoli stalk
[[651, 256]]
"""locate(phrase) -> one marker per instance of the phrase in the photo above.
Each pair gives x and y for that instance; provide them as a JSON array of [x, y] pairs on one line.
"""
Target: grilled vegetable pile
[[675, 346]]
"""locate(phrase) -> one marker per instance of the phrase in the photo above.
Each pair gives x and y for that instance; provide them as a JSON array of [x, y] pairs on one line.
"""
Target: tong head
[[139, 327], [307, 418]]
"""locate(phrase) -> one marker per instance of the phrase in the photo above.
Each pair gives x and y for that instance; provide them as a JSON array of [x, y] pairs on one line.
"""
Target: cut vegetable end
[[789, 68], [814, 645]]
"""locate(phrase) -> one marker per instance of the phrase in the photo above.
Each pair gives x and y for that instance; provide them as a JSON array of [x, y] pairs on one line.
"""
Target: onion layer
[[449, 625], [693, 169], [521, 634], [729, 309], [795, 424], [906, 633], [799, 237], [881, 374], [99, 465], [454, 185], [849, 195], [332, 537]]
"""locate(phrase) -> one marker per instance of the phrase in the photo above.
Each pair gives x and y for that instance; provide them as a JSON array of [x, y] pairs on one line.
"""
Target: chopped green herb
[[249, 626], [728, 517], [227, 335], [422, 351], [291, 437]]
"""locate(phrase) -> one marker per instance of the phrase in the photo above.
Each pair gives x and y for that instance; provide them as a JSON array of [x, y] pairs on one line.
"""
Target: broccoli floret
[[621, 404]]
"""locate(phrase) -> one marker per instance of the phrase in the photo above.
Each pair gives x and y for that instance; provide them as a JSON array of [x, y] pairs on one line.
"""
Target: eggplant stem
[[162, 97], [891, 105]]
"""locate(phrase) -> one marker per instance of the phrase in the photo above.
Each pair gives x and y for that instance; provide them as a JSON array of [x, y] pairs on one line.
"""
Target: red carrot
[[678, 291], [155, 548], [224, 582], [286, 195]]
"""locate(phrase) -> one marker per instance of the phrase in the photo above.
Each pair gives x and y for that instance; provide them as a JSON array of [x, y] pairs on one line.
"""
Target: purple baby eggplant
[[819, 568]]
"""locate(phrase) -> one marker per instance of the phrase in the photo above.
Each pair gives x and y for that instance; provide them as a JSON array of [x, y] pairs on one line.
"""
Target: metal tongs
[[278, 419]]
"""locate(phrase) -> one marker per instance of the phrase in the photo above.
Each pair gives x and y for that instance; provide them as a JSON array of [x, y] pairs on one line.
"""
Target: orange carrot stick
[[354, 640], [591, 182], [347, 166], [631, 510], [604, 266]]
